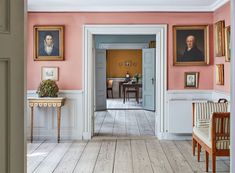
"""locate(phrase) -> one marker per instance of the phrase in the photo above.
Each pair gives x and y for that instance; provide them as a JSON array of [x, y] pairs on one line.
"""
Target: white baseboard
[[171, 136]]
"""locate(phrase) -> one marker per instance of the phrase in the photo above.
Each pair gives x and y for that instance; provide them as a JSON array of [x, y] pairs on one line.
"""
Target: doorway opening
[[159, 32], [124, 83]]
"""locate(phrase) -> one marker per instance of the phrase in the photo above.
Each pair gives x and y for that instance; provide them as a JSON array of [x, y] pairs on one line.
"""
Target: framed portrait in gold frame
[[227, 43], [219, 74], [219, 38], [49, 43], [191, 45], [191, 79]]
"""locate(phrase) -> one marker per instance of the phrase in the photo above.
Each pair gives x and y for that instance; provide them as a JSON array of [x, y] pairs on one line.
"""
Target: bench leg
[[198, 152], [194, 145], [213, 163], [207, 160]]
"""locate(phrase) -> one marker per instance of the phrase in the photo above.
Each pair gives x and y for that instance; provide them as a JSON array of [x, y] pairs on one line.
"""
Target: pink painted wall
[[70, 72], [223, 13]]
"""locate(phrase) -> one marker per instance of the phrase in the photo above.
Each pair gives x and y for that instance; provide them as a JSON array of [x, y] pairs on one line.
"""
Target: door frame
[[88, 71]]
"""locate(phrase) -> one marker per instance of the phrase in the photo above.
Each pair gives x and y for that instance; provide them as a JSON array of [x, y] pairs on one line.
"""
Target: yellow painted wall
[[119, 62]]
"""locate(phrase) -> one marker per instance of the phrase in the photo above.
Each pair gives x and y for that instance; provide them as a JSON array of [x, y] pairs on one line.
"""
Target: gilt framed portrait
[[191, 45], [219, 74], [49, 43], [219, 38], [227, 43], [191, 79]]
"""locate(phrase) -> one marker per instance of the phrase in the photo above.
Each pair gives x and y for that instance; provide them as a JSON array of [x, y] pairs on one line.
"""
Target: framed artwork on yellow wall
[[49, 43], [220, 74], [191, 45], [219, 38], [227, 44]]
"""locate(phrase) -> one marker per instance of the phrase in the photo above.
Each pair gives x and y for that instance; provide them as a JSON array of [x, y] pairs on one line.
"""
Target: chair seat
[[203, 134]]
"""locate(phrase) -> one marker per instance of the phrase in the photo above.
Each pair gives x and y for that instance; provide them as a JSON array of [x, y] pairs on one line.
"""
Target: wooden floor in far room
[[124, 123], [117, 103]]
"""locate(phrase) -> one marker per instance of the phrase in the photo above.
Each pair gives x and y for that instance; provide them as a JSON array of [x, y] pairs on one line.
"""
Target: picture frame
[[191, 79], [219, 74], [227, 43], [51, 73], [191, 45], [219, 38], [48, 42]]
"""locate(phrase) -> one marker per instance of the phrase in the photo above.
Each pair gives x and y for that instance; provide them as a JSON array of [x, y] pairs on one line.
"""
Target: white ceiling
[[124, 5]]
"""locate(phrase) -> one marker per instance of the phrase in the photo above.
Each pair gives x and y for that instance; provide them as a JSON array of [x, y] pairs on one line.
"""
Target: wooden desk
[[56, 102], [131, 85]]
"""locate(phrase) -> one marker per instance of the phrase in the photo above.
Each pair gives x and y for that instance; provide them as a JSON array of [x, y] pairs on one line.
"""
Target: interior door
[[12, 148], [100, 79], [148, 60]]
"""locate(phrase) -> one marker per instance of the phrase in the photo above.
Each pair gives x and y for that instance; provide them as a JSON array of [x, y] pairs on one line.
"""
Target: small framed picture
[[219, 38], [191, 79], [227, 44], [49, 43], [50, 73], [219, 74], [191, 45]]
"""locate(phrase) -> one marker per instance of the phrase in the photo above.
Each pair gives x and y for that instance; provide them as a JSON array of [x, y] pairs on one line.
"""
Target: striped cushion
[[203, 111]]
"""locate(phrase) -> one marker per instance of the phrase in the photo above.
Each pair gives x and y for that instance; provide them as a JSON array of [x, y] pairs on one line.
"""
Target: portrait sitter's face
[[190, 41], [49, 40]]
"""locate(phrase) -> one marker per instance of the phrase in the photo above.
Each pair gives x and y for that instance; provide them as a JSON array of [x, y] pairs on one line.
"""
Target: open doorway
[[124, 85]]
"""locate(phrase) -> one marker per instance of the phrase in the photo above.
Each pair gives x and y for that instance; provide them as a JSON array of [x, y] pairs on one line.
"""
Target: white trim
[[217, 4], [232, 85], [60, 91], [161, 66], [123, 45], [78, 6]]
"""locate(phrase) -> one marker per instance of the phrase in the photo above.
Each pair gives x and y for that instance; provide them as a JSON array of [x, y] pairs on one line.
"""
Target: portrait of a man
[[49, 43], [191, 45]]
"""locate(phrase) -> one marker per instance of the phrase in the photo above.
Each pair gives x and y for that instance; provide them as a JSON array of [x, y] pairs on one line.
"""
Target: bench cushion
[[203, 112], [204, 134]]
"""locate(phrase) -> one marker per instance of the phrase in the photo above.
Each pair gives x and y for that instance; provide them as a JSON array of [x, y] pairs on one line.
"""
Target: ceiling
[[124, 5]]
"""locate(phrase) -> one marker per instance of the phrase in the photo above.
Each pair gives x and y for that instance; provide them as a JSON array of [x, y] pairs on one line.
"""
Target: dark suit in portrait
[[194, 54], [54, 52]]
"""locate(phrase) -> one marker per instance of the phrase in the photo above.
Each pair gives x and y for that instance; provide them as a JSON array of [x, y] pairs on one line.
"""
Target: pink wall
[[223, 13], [70, 74]]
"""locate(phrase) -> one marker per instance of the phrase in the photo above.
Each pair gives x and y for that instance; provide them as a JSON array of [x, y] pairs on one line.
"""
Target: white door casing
[[161, 69], [12, 87], [148, 68], [100, 79]]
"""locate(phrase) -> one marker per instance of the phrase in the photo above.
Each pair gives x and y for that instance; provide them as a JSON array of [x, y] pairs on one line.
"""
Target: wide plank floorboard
[[88, 159], [71, 158], [105, 158], [175, 158], [51, 161]]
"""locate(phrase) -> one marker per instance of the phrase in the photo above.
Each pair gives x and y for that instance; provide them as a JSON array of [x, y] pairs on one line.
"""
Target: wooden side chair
[[135, 91], [109, 87], [211, 131]]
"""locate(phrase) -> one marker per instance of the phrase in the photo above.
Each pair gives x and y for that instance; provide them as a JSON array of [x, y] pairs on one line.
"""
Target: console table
[[56, 102]]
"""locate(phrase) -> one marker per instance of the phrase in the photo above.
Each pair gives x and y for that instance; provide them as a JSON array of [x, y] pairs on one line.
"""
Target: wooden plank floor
[[124, 145], [127, 123], [117, 156], [117, 103]]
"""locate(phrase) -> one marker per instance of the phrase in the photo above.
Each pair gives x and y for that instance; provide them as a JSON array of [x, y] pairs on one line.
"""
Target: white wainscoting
[[72, 118], [178, 119]]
